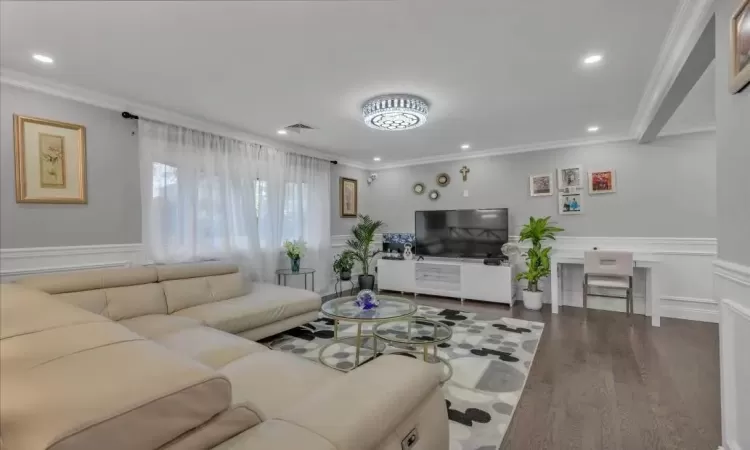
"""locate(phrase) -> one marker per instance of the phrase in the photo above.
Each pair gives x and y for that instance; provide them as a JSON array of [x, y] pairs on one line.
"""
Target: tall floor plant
[[363, 236], [537, 258]]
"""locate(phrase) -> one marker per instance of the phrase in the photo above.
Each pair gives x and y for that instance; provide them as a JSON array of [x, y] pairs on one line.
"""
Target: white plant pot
[[532, 300]]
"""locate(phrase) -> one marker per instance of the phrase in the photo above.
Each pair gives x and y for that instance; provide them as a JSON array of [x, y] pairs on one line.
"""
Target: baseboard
[[688, 308], [15, 262]]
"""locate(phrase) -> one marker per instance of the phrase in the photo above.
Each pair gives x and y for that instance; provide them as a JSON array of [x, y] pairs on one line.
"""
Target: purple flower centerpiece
[[366, 300]]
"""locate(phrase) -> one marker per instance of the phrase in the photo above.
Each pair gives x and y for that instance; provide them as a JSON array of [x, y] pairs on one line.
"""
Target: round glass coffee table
[[410, 333], [344, 310]]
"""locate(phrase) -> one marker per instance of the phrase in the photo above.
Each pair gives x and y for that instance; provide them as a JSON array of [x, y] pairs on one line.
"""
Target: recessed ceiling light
[[377, 158], [43, 58], [465, 147], [282, 131], [593, 129], [592, 59]]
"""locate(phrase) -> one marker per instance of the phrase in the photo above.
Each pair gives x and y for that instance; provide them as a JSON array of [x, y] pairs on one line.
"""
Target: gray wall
[[113, 212], [664, 189], [342, 225], [733, 150]]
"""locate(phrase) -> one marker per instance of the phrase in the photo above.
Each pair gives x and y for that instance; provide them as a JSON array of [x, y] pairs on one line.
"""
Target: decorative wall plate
[[434, 195], [418, 188], [443, 179]]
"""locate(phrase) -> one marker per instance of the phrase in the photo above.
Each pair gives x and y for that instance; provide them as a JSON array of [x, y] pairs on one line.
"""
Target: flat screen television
[[461, 233]]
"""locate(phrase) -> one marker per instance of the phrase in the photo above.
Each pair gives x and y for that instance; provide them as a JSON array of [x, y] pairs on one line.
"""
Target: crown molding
[[106, 101], [687, 26]]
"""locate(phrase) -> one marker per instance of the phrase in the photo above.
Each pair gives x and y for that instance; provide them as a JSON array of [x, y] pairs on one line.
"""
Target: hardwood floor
[[602, 380]]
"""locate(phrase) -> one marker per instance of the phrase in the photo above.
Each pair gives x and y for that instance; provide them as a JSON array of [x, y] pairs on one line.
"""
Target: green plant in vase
[[537, 258], [343, 265], [363, 236], [295, 250]]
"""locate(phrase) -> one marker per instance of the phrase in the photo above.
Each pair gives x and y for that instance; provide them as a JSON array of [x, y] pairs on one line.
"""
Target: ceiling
[[497, 73]]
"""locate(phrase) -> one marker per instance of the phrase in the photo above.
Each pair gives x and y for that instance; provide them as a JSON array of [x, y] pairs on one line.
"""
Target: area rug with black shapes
[[490, 356]]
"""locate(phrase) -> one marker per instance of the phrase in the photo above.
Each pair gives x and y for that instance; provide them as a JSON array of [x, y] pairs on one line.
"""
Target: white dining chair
[[610, 270]]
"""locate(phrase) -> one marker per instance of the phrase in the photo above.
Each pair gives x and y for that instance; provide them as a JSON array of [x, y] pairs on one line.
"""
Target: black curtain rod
[[127, 115]]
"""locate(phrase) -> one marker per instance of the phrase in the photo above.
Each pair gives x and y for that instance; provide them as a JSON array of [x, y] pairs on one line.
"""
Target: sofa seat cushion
[[270, 382], [211, 347], [155, 325], [267, 303]]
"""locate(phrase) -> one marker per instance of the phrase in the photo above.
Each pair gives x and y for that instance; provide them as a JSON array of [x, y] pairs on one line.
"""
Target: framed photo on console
[[50, 161]]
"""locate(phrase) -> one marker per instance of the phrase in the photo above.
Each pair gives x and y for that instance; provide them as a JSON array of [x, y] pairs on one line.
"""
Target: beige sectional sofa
[[161, 357]]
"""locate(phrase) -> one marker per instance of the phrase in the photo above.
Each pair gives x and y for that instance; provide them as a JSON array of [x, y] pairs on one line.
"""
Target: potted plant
[[295, 250], [343, 265], [537, 259], [363, 235]]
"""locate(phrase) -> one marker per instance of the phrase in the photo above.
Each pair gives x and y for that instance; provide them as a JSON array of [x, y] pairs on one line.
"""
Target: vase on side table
[[295, 264]]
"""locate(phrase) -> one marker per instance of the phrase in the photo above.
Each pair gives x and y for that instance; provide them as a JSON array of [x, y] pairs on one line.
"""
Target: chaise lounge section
[[136, 358]]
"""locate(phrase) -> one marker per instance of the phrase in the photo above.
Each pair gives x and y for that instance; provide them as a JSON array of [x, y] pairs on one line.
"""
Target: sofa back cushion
[[118, 294], [74, 380], [188, 285]]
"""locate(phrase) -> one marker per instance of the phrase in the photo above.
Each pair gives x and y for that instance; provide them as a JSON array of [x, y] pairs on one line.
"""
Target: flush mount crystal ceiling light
[[395, 112]]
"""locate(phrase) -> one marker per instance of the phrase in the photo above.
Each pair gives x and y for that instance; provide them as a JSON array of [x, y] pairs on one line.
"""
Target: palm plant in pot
[[537, 258], [363, 236]]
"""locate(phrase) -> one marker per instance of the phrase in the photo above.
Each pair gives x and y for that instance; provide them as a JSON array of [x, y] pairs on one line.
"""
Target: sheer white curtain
[[206, 196]]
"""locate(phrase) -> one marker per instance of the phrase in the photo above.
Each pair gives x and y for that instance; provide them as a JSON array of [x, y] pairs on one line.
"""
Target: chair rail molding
[[15, 262], [732, 292]]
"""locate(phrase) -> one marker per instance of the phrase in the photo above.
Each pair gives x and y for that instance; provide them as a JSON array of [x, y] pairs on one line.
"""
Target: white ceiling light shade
[[395, 112], [592, 59], [43, 58]]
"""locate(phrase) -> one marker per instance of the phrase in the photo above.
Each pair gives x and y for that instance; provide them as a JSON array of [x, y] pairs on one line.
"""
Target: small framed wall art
[[570, 203], [540, 185], [602, 182], [348, 197], [418, 188], [50, 161], [739, 51], [570, 178], [443, 179]]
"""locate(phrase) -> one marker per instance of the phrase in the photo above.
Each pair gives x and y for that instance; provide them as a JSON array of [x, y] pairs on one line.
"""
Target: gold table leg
[[335, 329], [358, 343]]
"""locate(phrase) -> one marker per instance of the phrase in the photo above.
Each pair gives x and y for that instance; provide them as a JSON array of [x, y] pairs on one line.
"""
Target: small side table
[[302, 271]]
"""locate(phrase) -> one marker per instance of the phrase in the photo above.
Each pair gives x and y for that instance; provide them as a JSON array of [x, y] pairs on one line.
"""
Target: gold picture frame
[[739, 49], [348, 197], [50, 158]]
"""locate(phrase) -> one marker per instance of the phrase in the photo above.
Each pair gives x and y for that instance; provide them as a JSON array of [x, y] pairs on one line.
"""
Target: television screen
[[463, 233]]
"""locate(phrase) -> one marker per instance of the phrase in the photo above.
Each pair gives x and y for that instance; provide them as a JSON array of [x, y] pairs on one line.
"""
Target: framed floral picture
[[348, 197], [540, 185], [602, 181], [50, 159], [739, 53], [570, 177]]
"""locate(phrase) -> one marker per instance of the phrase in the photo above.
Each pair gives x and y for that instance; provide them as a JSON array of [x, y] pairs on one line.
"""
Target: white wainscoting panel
[[16, 262], [732, 292], [686, 278]]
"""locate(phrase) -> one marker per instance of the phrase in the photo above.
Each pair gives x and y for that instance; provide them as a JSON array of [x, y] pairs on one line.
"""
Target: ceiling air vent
[[299, 128]]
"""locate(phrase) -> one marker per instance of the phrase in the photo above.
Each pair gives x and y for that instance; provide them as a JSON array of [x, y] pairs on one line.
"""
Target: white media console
[[466, 279]]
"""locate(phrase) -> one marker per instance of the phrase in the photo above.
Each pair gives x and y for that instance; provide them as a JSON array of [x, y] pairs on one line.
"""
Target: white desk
[[648, 261]]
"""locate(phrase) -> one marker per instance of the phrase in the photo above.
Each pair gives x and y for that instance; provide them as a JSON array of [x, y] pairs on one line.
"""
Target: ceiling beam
[[688, 50]]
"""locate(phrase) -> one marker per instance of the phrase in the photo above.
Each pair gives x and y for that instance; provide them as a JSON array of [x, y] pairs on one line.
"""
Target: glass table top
[[389, 308], [302, 270], [413, 330]]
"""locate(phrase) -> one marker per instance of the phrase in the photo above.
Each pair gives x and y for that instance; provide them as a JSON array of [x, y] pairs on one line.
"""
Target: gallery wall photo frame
[[50, 161], [570, 203], [739, 48], [541, 185], [570, 177], [348, 206], [602, 181]]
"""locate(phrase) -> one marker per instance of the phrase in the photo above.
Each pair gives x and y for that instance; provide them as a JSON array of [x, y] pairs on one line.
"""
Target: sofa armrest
[[361, 409]]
